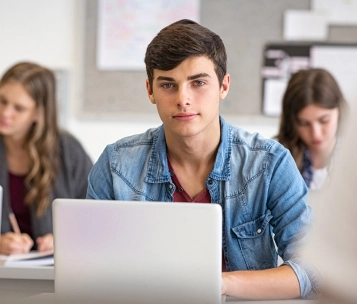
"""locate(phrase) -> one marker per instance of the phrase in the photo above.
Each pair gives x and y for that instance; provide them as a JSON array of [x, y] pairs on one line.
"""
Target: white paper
[[273, 96], [338, 12], [32, 258], [341, 62], [126, 27], [305, 25]]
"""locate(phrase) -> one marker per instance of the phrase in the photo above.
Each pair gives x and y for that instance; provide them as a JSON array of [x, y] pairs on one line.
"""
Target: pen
[[14, 224]]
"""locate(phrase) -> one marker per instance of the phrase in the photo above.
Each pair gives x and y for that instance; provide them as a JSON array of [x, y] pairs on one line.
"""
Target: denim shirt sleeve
[[100, 183], [292, 218]]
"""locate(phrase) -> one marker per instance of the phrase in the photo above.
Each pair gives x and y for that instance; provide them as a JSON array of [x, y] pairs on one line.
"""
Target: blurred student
[[313, 106], [332, 248], [38, 161], [196, 156]]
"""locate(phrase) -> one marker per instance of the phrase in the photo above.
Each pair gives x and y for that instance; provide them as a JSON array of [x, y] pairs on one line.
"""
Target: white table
[[51, 299], [30, 285], [21, 282]]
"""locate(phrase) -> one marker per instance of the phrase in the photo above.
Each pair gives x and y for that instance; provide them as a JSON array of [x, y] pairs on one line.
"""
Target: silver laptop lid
[[1, 195], [138, 252]]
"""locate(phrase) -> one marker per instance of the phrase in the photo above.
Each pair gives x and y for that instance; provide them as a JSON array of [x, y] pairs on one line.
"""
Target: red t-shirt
[[180, 195], [17, 202]]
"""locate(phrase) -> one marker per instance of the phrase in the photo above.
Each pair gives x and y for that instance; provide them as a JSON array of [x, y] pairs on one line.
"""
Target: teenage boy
[[195, 156]]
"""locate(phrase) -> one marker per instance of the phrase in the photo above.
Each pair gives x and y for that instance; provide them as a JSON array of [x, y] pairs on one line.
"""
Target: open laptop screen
[[138, 252]]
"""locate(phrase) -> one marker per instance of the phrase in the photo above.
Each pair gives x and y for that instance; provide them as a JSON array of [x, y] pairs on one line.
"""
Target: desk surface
[[27, 273], [49, 298], [44, 294]]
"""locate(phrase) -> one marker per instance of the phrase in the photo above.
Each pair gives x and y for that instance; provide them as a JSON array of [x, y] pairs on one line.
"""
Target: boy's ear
[[225, 86], [150, 93]]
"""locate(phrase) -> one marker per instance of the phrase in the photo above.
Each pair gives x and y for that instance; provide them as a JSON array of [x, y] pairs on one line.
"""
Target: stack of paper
[[33, 258]]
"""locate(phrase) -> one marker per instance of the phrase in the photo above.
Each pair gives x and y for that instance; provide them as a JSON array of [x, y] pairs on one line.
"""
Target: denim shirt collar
[[158, 170], [222, 165]]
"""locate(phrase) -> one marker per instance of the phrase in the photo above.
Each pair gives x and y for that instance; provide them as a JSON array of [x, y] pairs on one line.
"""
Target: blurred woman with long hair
[[38, 161], [313, 106]]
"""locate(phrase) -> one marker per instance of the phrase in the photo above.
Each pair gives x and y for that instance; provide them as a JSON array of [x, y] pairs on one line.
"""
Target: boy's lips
[[185, 116]]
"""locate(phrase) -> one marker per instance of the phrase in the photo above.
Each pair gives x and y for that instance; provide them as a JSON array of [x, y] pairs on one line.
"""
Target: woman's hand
[[14, 243], [45, 243]]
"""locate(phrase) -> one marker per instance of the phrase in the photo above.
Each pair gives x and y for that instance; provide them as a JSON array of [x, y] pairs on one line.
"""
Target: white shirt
[[319, 177]]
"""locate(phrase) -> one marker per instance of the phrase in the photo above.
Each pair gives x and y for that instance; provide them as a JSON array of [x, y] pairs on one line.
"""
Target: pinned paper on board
[[126, 27], [280, 61], [341, 61]]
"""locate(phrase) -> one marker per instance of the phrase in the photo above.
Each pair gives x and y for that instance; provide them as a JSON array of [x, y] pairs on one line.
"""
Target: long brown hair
[[306, 87], [42, 142]]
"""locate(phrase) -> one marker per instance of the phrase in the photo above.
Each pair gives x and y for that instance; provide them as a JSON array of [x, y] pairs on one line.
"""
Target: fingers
[[27, 242], [45, 243], [13, 243]]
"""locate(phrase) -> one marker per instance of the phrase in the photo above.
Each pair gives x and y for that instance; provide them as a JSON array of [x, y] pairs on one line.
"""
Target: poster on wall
[[280, 61], [126, 27]]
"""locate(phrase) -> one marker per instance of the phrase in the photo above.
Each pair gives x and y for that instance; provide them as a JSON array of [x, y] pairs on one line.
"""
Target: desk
[[231, 300], [20, 282], [31, 285], [50, 299]]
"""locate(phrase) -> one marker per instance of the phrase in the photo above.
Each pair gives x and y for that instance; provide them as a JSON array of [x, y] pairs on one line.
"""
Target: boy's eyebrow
[[198, 76], [165, 78]]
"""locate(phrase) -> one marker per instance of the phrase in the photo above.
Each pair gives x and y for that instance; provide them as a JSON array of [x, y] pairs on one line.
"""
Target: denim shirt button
[[210, 182], [170, 186], [259, 231]]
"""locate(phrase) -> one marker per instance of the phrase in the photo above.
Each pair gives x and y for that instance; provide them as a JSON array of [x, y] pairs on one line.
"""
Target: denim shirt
[[255, 180]]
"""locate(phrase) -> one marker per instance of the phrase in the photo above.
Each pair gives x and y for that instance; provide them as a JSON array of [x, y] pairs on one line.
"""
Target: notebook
[[31, 259], [137, 252]]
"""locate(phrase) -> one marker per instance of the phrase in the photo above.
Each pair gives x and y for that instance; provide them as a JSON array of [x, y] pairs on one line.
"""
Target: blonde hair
[[42, 142]]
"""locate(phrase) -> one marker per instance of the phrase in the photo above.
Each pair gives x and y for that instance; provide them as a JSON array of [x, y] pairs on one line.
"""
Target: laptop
[[0, 207], [137, 252]]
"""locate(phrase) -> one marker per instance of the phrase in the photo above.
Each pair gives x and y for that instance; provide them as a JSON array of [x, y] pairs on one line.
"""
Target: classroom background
[[100, 106]]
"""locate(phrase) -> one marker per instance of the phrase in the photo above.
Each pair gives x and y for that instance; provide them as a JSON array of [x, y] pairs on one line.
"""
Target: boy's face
[[187, 97]]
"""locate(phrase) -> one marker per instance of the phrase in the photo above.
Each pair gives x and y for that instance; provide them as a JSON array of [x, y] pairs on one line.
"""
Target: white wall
[[39, 30], [95, 135], [51, 33]]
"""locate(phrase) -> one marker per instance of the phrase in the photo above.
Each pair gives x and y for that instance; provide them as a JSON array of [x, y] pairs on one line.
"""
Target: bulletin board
[[245, 26], [281, 60]]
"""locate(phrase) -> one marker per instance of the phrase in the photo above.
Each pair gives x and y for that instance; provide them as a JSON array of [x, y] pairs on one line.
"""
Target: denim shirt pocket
[[256, 243]]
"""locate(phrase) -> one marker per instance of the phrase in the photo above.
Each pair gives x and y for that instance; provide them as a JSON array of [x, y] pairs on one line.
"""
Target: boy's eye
[[167, 85], [199, 83]]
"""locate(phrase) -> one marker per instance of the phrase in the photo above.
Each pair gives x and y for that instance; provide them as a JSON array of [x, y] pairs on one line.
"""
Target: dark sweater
[[71, 182]]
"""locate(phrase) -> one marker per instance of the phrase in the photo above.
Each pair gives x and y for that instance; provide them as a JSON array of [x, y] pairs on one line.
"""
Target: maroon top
[[180, 195], [17, 200]]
